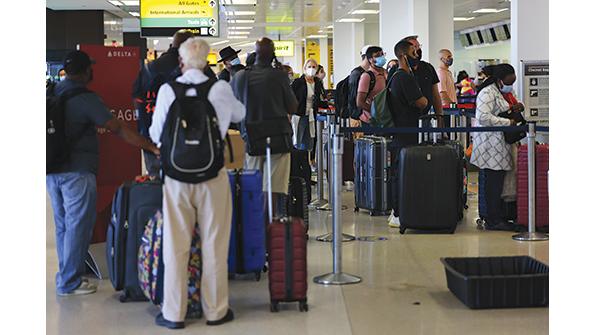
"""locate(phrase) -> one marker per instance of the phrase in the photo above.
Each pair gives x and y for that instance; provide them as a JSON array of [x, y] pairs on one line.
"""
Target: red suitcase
[[286, 247], [541, 186], [288, 269]]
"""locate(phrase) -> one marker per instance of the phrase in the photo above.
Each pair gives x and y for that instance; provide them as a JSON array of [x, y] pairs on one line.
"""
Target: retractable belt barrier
[[338, 277]]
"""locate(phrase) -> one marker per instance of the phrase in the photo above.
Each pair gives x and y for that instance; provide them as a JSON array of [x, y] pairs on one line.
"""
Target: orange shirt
[[447, 84]]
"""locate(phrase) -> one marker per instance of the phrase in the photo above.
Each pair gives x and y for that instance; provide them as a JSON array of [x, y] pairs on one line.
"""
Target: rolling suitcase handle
[[433, 124], [269, 178]]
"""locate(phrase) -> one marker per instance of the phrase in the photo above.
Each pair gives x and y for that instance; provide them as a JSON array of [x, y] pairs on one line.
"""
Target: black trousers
[[493, 193], [397, 144]]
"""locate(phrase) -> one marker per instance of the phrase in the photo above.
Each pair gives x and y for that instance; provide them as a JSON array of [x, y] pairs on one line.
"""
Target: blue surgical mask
[[235, 61], [506, 89], [380, 61]]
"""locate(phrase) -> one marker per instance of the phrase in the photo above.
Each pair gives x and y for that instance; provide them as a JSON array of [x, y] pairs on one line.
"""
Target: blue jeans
[[74, 196]]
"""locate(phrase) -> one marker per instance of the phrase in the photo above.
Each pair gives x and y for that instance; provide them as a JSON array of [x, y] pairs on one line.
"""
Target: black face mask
[[419, 55], [413, 62]]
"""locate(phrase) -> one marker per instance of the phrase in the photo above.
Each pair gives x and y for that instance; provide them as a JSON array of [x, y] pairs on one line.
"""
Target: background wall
[[466, 59], [372, 37]]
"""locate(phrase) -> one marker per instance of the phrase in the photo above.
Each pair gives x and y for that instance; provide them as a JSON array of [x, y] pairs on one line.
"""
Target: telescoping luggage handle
[[433, 124], [269, 186]]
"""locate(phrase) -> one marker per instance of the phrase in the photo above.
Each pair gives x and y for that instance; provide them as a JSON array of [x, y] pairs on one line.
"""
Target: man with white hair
[[207, 203]]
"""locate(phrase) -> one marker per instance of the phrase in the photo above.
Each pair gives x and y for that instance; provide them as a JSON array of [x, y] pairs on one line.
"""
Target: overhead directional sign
[[165, 17], [284, 48]]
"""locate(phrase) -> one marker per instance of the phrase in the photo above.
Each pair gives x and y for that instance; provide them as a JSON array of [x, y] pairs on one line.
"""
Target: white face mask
[[310, 72]]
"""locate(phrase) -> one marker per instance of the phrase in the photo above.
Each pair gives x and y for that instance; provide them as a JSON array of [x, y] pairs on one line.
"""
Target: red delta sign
[[114, 72]]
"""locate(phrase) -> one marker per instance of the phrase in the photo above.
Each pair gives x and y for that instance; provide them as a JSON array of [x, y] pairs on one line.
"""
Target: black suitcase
[[297, 199], [462, 174], [134, 204], [429, 188], [372, 164], [300, 167]]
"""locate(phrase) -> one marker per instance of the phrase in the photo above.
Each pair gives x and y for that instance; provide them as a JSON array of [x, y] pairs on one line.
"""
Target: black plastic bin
[[498, 282]]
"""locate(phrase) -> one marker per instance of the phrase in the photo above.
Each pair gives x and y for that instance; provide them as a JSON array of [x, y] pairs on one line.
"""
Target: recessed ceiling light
[[351, 20], [317, 36], [249, 44], [365, 12], [240, 13], [372, 1], [489, 10], [238, 2], [240, 21], [134, 14], [220, 42], [116, 3], [463, 18], [131, 3], [329, 27]]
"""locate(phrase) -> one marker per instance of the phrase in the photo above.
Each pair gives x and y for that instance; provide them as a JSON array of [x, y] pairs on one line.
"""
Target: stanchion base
[[531, 237], [317, 203], [337, 279], [325, 207], [328, 237]]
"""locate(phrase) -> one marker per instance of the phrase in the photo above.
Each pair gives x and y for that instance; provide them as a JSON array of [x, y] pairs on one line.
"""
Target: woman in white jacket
[[490, 152]]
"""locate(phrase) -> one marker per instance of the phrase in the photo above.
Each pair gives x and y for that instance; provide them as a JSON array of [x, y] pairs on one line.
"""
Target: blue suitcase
[[247, 245], [134, 204]]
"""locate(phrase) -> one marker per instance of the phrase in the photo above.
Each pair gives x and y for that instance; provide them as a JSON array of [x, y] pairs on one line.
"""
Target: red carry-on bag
[[287, 249]]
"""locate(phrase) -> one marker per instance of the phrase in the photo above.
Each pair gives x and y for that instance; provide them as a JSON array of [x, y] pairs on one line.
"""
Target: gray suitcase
[[372, 164]]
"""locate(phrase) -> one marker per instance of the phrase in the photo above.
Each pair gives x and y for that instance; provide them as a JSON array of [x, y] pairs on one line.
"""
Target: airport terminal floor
[[403, 290]]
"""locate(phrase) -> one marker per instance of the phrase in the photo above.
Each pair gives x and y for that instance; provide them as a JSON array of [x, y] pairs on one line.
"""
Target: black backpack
[[153, 82], [191, 143], [341, 98], [355, 112], [58, 144]]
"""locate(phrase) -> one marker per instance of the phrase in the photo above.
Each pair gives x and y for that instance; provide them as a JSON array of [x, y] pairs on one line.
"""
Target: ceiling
[[288, 19]]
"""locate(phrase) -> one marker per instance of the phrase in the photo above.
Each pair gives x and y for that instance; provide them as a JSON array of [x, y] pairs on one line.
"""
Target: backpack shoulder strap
[[372, 82]]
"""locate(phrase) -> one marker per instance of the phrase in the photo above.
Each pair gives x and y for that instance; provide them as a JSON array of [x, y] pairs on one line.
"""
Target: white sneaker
[[84, 288], [393, 221]]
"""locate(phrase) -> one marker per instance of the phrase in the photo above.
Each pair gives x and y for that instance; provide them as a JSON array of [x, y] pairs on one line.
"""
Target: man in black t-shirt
[[427, 79], [407, 100], [407, 104]]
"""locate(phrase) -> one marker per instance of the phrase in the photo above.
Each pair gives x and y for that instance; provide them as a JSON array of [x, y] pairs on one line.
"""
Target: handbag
[[514, 136]]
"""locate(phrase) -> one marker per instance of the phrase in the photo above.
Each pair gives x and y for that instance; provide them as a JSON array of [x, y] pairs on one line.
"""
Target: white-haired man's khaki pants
[[209, 204]]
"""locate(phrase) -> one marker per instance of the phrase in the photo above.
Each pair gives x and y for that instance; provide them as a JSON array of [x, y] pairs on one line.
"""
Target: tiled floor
[[403, 289]]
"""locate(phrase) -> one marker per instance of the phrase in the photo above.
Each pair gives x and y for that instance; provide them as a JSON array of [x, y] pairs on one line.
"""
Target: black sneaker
[[161, 321], [228, 317]]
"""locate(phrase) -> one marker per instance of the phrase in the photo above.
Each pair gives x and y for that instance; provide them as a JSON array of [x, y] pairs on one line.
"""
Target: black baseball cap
[[77, 61]]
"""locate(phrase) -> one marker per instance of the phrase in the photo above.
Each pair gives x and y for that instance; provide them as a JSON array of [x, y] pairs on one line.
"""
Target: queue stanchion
[[332, 180], [320, 201], [531, 234], [337, 277], [329, 157], [463, 135], [453, 124]]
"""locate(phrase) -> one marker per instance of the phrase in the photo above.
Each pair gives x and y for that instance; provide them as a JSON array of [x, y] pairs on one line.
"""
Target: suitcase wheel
[[402, 231], [257, 275], [356, 209], [274, 306], [123, 297], [303, 306]]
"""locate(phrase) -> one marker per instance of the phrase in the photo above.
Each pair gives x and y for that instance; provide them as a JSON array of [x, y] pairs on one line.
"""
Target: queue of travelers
[[268, 101]]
